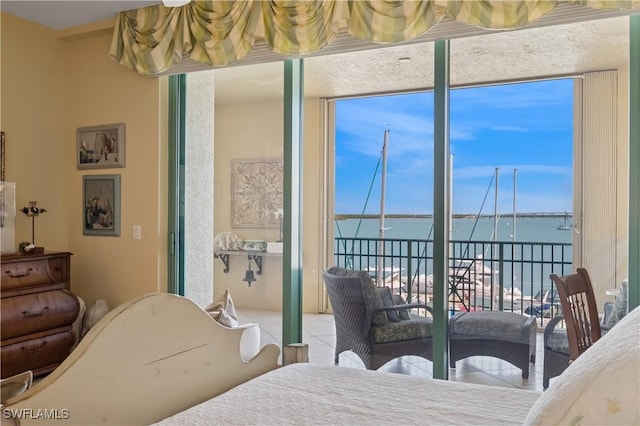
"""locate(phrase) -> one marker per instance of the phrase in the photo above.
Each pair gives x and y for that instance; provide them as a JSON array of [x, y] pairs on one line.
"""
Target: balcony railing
[[483, 275]]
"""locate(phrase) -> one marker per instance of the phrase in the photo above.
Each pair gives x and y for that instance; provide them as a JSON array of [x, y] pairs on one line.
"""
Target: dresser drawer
[[34, 272], [38, 355], [31, 313]]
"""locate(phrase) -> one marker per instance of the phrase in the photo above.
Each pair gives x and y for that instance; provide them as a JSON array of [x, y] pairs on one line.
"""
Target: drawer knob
[[26, 274], [36, 314], [35, 350]]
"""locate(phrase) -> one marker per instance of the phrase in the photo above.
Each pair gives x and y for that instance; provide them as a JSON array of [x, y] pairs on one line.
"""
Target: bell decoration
[[249, 277]]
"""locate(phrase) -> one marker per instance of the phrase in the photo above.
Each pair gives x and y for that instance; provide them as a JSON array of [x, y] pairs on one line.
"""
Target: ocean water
[[527, 229]]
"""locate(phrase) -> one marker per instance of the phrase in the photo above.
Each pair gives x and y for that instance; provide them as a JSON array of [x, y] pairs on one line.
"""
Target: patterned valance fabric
[[153, 39]]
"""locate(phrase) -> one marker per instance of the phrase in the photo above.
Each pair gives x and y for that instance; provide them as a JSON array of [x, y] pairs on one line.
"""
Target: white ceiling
[[477, 56], [60, 15]]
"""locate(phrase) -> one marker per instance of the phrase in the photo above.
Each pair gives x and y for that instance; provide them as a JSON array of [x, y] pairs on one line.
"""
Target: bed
[[161, 360]]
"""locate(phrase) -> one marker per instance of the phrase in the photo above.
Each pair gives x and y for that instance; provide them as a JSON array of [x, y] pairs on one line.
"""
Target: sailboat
[[565, 226]]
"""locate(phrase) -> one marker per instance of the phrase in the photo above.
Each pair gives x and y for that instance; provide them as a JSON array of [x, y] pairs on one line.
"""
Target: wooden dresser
[[37, 310]]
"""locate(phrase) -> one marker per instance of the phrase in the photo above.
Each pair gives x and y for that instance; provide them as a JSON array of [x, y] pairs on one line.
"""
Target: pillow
[[223, 311], [387, 300], [402, 313], [602, 386], [15, 385], [372, 298], [93, 314], [620, 305]]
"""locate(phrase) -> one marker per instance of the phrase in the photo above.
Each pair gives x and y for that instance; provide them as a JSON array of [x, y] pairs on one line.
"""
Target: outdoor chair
[[374, 324], [556, 343]]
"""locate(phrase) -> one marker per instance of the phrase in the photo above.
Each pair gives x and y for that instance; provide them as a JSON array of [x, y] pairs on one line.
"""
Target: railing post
[[501, 278], [409, 272]]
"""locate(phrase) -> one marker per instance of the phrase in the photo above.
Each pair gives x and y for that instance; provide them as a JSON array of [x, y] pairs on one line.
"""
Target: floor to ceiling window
[[512, 174]]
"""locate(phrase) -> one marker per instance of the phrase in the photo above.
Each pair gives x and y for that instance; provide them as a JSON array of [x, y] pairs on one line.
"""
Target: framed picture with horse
[[101, 205]]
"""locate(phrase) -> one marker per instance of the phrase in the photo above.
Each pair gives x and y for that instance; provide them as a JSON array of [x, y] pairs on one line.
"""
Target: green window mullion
[[292, 199]]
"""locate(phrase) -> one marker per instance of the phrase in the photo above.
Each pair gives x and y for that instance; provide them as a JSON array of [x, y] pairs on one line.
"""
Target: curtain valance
[[153, 39]]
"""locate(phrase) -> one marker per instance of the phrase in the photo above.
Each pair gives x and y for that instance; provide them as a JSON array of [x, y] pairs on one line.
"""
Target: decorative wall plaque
[[256, 192]]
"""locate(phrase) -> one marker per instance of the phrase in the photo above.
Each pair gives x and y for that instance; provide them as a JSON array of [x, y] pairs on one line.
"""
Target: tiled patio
[[319, 334]]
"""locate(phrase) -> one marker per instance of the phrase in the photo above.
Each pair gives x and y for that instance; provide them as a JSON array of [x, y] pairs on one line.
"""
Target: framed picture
[[100, 147], [256, 192], [101, 205], [2, 156]]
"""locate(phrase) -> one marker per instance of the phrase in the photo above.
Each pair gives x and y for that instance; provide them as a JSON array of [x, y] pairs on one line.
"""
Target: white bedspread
[[309, 394]]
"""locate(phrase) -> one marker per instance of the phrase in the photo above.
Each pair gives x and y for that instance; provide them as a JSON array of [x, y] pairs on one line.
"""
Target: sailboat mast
[[495, 207], [515, 184], [384, 182], [450, 213], [380, 267]]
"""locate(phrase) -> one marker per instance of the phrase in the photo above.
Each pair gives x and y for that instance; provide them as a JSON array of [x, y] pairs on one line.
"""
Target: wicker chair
[[556, 350], [374, 330]]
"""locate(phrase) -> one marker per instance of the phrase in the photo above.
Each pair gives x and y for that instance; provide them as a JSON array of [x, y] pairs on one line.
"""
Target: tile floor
[[319, 334]]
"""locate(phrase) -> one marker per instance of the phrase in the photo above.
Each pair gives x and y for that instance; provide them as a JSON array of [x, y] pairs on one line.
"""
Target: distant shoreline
[[560, 215]]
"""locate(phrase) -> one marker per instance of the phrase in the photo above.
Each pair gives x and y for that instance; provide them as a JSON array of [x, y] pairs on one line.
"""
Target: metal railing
[[483, 275]]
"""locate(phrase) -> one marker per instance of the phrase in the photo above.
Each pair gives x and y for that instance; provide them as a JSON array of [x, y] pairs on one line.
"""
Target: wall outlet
[[137, 232]]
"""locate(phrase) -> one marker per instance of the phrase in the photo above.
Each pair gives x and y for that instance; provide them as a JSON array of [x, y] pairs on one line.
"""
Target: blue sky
[[525, 126]]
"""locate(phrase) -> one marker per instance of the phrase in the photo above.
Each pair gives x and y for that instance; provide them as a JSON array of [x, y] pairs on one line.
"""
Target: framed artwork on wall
[[2, 156], [100, 147], [256, 192], [101, 205]]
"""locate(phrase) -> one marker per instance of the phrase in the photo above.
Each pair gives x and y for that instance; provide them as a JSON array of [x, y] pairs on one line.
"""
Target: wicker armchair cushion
[[557, 341], [387, 300], [402, 313], [415, 328], [505, 325]]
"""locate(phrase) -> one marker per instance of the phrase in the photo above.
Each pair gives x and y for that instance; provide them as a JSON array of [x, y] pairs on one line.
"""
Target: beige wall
[[49, 88], [261, 136], [34, 116]]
